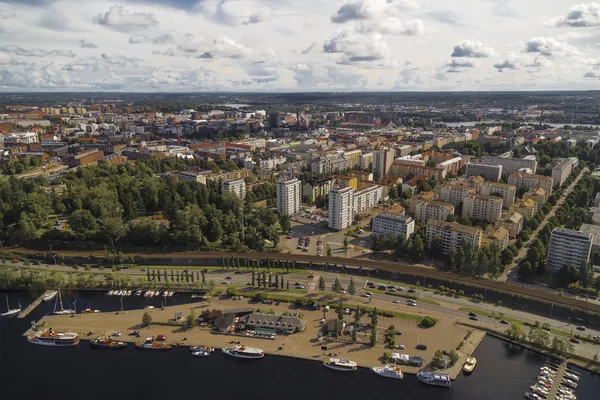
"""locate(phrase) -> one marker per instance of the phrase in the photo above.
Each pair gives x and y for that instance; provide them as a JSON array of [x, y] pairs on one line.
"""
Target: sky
[[298, 45]]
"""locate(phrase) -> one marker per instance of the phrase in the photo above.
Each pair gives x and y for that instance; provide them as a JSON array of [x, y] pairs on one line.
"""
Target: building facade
[[512, 222], [393, 225], [568, 247], [237, 186], [452, 234], [341, 207], [482, 207], [532, 181], [563, 169], [289, 194], [455, 192], [382, 161], [433, 210], [506, 191], [486, 171], [510, 165]]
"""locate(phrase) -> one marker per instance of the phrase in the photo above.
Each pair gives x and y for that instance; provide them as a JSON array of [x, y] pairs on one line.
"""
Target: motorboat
[[389, 371], [202, 353], [340, 364], [50, 295], [151, 344], [107, 343], [138, 292], [10, 312], [241, 351], [434, 378], [470, 364], [202, 348], [52, 338]]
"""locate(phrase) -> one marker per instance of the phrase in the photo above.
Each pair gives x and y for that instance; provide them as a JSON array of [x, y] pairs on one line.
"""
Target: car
[[342, 291], [398, 333], [503, 321], [413, 304], [581, 328], [472, 314], [412, 290], [225, 283], [161, 338], [143, 270], [396, 301], [365, 295], [392, 290], [305, 249], [361, 231], [400, 346], [116, 334], [134, 333], [310, 276], [369, 293], [597, 337], [589, 296], [18, 269], [400, 288], [228, 278], [574, 340], [299, 247], [289, 236], [381, 287], [421, 347], [36, 263], [474, 318], [297, 284], [248, 283], [300, 287], [371, 285]]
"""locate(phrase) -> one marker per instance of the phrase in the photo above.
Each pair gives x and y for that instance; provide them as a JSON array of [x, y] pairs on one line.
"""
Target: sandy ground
[[445, 335]]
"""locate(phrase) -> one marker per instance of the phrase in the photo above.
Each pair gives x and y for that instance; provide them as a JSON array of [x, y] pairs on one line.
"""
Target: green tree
[[562, 347], [374, 317], [190, 321], [357, 314], [453, 356], [253, 279], [436, 247], [515, 331], [352, 287], [203, 277], [340, 312], [567, 275], [146, 319], [336, 287], [211, 286], [285, 223], [417, 249], [321, 284], [345, 242], [328, 251], [539, 337], [353, 335]]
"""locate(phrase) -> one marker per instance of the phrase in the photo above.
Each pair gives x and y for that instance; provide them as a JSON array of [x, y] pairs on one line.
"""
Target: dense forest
[[134, 205]]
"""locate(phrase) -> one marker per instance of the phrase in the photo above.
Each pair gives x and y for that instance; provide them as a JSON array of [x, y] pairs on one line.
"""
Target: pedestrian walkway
[[33, 305], [557, 381]]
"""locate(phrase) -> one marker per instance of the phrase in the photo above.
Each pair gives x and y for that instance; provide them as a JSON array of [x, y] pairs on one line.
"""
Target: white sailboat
[[9, 312], [62, 311]]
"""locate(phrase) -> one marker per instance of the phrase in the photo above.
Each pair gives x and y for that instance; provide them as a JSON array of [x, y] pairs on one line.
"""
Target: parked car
[[400, 288], [297, 284], [503, 321], [472, 314], [474, 318], [225, 283], [161, 338], [421, 347], [365, 295], [228, 278], [575, 340], [400, 346], [398, 332], [396, 301], [411, 290], [300, 287], [369, 293]]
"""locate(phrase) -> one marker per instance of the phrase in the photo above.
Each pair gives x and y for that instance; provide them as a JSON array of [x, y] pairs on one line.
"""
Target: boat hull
[[53, 343], [380, 372], [50, 296], [10, 313], [243, 356]]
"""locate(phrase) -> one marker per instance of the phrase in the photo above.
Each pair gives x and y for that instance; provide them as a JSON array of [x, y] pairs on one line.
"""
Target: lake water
[[473, 123], [27, 371]]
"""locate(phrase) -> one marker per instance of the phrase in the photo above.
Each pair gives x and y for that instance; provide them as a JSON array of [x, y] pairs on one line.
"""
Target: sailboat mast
[[7, 306], [60, 299]]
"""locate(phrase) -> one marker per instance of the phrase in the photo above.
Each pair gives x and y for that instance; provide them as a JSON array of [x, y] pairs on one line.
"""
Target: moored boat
[[202, 348], [470, 364], [107, 343], [389, 371], [62, 311], [10, 312], [151, 344], [50, 295], [241, 351], [138, 292], [433, 378], [52, 338], [340, 364], [202, 353]]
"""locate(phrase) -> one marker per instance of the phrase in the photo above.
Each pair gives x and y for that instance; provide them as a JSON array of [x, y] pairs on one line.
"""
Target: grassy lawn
[[406, 296], [490, 315]]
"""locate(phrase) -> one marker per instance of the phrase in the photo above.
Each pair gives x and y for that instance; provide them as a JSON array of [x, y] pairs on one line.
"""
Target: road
[[511, 273]]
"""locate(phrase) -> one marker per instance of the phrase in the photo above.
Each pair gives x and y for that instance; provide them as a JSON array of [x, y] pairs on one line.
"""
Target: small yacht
[[9, 312], [340, 364], [201, 353], [389, 371], [433, 378], [50, 295], [138, 292], [470, 364], [241, 351]]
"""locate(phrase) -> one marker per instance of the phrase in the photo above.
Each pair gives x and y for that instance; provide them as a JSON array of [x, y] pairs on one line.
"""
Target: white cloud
[[118, 16], [359, 48], [580, 15], [370, 9], [18, 51], [87, 45], [259, 14], [472, 48], [408, 76], [550, 47], [135, 39], [6, 58], [393, 26], [506, 64], [460, 65]]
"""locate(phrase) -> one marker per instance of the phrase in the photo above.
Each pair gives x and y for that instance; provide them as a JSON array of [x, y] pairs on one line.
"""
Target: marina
[[554, 382], [46, 296]]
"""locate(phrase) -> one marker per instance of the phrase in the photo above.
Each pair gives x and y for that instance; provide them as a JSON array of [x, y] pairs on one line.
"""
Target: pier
[[33, 305]]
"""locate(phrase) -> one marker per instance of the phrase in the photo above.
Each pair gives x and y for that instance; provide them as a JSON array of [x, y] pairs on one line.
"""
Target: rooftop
[[454, 226]]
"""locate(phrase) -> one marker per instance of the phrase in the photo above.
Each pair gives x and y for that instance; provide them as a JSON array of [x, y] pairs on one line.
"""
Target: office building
[[531, 181], [482, 207], [506, 191], [568, 247], [486, 171], [563, 169], [289, 194], [393, 225], [382, 162], [452, 234], [455, 192], [237, 186], [427, 210], [511, 165]]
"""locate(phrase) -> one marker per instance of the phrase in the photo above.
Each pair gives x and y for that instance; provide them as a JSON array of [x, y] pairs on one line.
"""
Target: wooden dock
[[557, 380], [33, 305]]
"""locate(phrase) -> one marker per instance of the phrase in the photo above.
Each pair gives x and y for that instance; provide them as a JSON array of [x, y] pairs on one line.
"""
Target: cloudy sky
[[298, 45]]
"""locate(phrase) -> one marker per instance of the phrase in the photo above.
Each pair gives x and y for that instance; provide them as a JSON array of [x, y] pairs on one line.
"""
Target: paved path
[[557, 381]]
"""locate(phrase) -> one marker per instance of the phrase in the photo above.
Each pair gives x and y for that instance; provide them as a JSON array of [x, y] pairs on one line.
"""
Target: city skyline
[[293, 45]]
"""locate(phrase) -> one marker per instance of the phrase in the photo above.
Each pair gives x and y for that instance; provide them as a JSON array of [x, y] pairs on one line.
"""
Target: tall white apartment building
[[341, 207], [382, 162], [506, 191], [237, 186], [365, 160], [510, 165], [486, 171], [367, 198], [563, 169], [482, 207], [393, 225], [289, 195], [455, 192], [452, 235], [568, 247], [532, 181], [427, 210]]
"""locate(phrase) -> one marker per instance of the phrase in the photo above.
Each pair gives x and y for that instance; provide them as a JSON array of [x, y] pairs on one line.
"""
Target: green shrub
[[429, 322]]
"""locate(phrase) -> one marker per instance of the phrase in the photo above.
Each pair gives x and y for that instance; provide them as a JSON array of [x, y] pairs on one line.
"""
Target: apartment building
[[455, 192], [289, 194], [382, 161], [452, 234], [237, 186], [526, 207], [512, 222], [540, 196], [568, 247], [427, 210], [316, 189], [393, 225], [365, 161], [482, 207], [367, 197], [531, 181], [511, 165], [506, 191], [486, 171], [341, 207], [419, 198], [497, 235], [563, 169]]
